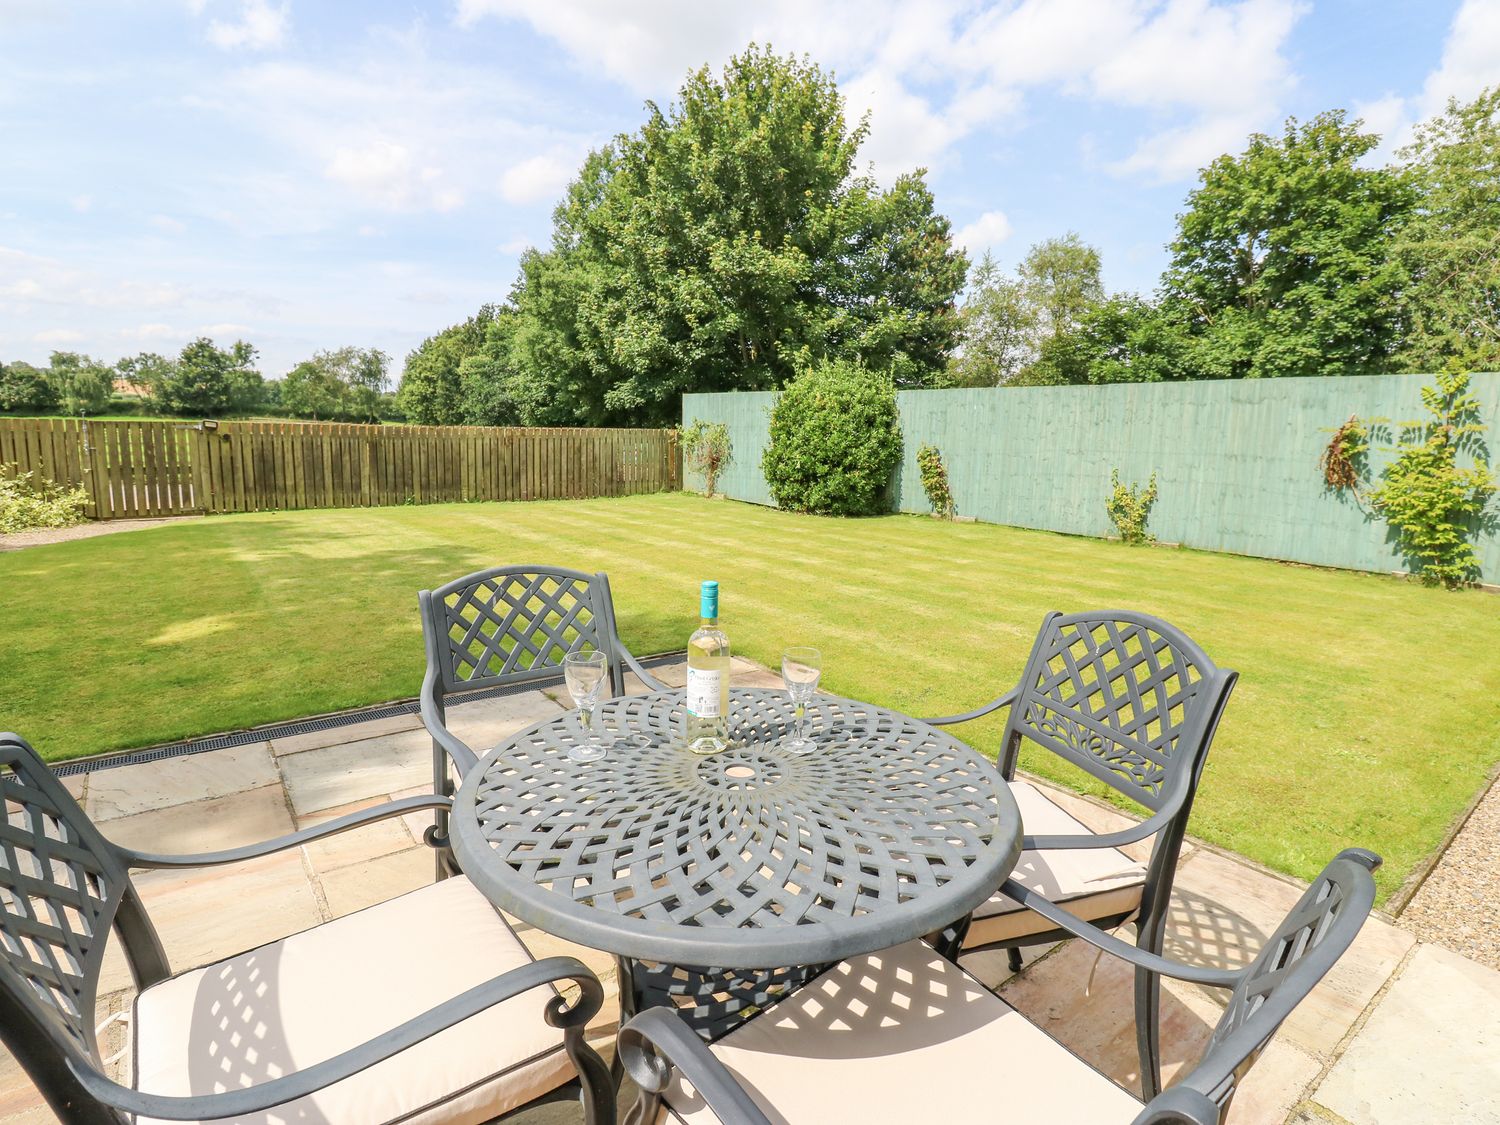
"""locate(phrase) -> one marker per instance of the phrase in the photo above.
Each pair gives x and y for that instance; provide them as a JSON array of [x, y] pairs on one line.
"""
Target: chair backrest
[[1124, 696], [1306, 945], [62, 888], [513, 624]]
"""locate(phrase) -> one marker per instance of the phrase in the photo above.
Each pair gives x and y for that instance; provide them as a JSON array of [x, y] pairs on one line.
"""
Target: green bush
[[1129, 507], [24, 387], [835, 441], [27, 502]]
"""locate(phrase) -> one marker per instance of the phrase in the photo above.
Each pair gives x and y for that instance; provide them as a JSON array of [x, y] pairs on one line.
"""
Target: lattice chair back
[[1322, 925], [1124, 696], [62, 888], [514, 624]]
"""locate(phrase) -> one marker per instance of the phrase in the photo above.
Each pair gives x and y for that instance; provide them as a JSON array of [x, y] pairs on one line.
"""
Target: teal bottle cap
[[708, 598]]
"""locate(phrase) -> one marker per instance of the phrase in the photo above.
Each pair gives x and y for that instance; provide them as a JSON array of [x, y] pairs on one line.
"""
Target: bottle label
[[703, 692]]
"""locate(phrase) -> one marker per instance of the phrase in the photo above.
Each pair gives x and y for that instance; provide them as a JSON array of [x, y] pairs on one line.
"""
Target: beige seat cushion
[[1092, 883], [305, 998], [905, 1036]]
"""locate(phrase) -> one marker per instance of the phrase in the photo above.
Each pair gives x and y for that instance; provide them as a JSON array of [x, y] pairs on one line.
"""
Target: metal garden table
[[721, 881]]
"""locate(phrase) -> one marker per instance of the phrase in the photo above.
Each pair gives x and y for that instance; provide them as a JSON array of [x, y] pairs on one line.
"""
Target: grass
[[1368, 710]]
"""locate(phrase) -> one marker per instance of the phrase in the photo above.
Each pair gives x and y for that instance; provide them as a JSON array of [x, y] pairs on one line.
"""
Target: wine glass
[[800, 669], [584, 671]]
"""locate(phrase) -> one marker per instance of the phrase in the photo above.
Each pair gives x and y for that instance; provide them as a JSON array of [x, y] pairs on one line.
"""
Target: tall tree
[[998, 329], [204, 379], [24, 387], [722, 245], [1060, 277], [342, 383], [1450, 248], [82, 385], [430, 392], [1282, 263]]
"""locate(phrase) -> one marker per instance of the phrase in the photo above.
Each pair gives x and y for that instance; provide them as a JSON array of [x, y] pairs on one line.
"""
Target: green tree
[[1282, 264], [82, 385], [205, 379], [342, 383], [431, 393], [151, 371], [998, 324], [1122, 339], [1060, 277], [1450, 248], [24, 387], [723, 245]]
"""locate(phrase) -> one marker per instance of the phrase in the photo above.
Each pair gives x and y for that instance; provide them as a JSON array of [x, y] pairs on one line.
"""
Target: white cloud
[[260, 27], [516, 245], [536, 179], [150, 332], [57, 336], [166, 224], [215, 331], [984, 233], [388, 174], [81, 203], [931, 74]]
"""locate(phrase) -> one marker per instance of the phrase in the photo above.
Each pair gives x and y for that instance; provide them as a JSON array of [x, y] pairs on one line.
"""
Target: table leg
[[949, 941]]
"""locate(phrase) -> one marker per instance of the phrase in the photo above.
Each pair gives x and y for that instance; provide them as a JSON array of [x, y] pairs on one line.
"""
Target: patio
[[1397, 1031]]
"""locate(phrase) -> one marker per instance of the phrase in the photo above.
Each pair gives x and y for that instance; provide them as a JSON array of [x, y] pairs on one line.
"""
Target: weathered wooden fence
[[138, 469]]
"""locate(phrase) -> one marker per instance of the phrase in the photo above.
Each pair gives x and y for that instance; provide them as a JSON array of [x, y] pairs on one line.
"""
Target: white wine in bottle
[[708, 679]]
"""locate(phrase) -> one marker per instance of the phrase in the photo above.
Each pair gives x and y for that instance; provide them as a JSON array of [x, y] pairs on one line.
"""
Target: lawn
[[1368, 710]]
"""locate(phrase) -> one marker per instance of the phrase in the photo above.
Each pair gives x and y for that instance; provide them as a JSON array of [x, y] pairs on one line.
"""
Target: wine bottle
[[708, 679]]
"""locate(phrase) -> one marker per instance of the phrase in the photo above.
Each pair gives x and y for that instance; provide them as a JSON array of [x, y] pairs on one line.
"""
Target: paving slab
[[1429, 1052], [358, 844], [484, 723], [202, 826], [353, 732], [376, 880], [127, 790], [356, 771]]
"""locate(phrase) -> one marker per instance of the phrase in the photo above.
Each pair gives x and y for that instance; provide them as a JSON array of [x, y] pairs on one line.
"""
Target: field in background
[[1368, 711]]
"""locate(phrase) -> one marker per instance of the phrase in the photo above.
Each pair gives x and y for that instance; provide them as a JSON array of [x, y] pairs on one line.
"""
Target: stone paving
[[1402, 1031]]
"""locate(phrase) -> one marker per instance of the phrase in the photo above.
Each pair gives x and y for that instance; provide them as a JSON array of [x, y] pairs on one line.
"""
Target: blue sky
[[309, 175]]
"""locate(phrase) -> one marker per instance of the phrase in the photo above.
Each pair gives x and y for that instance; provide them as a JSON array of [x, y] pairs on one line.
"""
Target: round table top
[[751, 858]]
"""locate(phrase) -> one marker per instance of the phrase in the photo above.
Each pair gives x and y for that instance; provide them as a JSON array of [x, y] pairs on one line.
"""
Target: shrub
[[1343, 460], [935, 480], [24, 387], [1129, 507], [835, 441], [1432, 505], [708, 451], [27, 502]]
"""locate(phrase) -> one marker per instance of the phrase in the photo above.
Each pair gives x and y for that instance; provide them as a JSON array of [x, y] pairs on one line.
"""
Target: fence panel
[[137, 469]]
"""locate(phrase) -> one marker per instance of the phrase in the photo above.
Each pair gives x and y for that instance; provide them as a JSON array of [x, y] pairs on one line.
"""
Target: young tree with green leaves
[[1283, 262], [998, 325], [204, 380], [342, 383], [1060, 277]]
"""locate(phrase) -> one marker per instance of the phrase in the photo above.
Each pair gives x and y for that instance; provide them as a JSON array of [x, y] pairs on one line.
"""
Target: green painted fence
[[1236, 461]]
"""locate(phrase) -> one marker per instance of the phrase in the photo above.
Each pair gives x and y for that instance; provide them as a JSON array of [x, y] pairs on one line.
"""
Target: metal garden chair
[[358, 1020], [504, 627], [1133, 702], [905, 1035]]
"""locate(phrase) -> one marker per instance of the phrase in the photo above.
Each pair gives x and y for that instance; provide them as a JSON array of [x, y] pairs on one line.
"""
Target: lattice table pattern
[[749, 859]]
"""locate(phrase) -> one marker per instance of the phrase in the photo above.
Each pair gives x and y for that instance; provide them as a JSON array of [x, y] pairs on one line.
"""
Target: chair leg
[[1148, 1031], [1013, 955]]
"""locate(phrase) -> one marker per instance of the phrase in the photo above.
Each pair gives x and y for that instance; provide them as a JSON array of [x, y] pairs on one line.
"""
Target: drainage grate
[[305, 726]]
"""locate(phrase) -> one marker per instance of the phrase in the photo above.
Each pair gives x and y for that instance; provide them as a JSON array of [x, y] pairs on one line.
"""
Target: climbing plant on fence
[[1129, 507], [935, 480], [1432, 504]]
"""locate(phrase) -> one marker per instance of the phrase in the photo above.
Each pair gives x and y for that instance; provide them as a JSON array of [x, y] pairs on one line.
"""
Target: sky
[[312, 175]]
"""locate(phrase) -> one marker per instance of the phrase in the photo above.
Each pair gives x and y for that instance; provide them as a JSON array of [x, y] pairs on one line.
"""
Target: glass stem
[[801, 715], [588, 718]]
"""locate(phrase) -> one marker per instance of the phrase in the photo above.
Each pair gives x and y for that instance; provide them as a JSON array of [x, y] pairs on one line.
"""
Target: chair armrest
[[656, 1041], [135, 858], [993, 705], [1217, 978], [651, 682], [1149, 827], [1180, 1106], [432, 718], [264, 1095]]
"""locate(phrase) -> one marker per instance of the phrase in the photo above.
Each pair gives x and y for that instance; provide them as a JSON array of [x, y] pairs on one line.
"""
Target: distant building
[[126, 388]]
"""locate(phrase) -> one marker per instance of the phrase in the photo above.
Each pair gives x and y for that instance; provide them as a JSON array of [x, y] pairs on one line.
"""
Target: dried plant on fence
[[1343, 459]]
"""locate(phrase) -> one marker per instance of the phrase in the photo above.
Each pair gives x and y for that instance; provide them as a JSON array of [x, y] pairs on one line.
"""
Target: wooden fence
[[138, 469]]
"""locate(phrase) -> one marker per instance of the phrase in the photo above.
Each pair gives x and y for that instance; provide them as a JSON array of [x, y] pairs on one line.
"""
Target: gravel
[[37, 537], [1459, 905]]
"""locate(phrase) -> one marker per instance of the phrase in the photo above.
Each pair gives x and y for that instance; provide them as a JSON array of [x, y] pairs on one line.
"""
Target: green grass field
[[1368, 710]]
